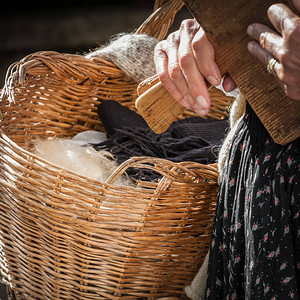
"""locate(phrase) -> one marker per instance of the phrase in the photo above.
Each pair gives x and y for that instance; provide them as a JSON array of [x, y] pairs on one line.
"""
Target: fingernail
[[250, 30], [250, 47], [186, 104], [202, 103], [213, 80], [201, 112]]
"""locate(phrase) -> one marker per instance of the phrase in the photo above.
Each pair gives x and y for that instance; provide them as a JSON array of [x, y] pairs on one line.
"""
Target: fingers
[[196, 59], [282, 17], [228, 84], [283, 46], [205, 58], [268, 39], [162, 69], [182, 61]]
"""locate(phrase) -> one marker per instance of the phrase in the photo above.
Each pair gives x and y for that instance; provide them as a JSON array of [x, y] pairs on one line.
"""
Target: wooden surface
[[158, 108], [225, 23]]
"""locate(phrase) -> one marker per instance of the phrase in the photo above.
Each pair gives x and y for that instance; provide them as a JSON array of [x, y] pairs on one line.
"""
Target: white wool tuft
[[84, 160], [237, 111]]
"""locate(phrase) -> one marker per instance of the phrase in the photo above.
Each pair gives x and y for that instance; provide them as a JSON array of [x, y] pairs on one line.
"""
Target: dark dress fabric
[[255, 247], [192, 139]]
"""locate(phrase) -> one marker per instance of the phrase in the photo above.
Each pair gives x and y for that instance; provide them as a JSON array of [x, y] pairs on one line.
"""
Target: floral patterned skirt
[[255, 247]]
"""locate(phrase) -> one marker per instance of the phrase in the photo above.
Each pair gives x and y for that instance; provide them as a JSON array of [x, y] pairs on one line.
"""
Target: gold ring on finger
[[271, 66]]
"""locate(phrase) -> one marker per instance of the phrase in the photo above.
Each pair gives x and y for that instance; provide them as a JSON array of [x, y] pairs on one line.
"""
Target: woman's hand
[[182, 61], [282, 45]]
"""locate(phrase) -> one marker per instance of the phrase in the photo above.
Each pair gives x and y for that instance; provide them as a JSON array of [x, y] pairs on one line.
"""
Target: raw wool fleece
[[83, 160], [132, 53]]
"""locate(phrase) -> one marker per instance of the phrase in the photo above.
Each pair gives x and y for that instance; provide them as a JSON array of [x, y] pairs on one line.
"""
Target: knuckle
[[292, 30], [188, 23], [284, 56], [172, 37], [163, 77], [197, 42], [174, 71], [186, 59], [159, 49]]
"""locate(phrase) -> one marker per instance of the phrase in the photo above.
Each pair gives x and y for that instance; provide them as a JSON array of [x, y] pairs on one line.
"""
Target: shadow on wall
[[66, 26]]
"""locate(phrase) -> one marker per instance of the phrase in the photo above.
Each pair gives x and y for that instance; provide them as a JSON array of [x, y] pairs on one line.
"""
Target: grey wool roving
[[132, 53]]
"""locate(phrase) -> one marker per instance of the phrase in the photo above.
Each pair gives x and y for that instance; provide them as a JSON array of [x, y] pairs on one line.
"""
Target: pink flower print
[[213, 243], [266, 237], [289, 161], [267, 158], [259, 193], [231, 182], [292, 200], [277, 251], [292, 295], [256, 162], [287, 280], [290, 146], [281, 179], [278, 165], [237, 259], [276, 201], [225, 214], [296, 215], [232, 228], [207, 292], [273, 298], [268, 189], [257, 280], [218, 282], [267, 171], [233, 296], [271, 254], [273, 184], [291, 179], [238, 226], [267, 288], [221, 248], [282, 267], [254, 227], [286, 230]]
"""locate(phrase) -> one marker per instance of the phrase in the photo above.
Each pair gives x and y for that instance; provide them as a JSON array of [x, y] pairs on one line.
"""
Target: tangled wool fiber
[[84, 160]]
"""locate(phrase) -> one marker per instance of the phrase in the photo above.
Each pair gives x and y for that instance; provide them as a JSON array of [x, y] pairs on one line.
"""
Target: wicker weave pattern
[[63, 236]]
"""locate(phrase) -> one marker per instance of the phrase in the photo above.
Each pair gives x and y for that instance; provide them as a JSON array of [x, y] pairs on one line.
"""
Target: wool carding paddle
[[225, 23]]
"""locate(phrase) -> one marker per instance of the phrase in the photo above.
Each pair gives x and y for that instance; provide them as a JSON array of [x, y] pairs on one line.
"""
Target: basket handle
[[160, 21], [190, 170]]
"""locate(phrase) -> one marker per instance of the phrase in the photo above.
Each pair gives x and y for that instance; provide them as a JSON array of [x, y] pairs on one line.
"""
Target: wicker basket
[[64, 236]]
